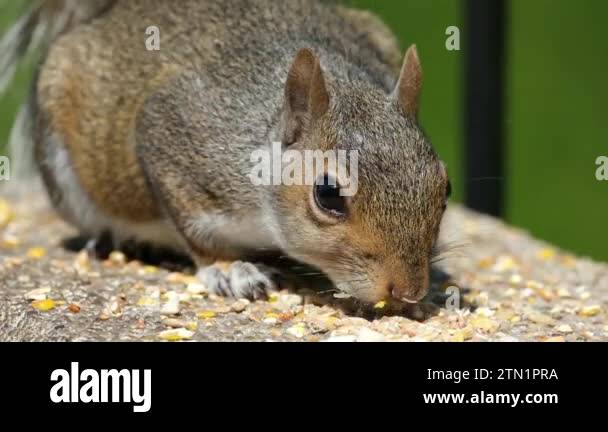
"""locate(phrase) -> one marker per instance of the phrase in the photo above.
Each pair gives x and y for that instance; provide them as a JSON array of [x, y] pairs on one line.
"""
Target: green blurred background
[[556, 118]]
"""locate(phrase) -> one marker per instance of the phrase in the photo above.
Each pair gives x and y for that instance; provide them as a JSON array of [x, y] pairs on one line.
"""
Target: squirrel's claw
[[243, 280]]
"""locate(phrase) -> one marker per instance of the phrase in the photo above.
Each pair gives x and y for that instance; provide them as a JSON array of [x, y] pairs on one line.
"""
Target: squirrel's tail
[[43, 21], [38, 26]]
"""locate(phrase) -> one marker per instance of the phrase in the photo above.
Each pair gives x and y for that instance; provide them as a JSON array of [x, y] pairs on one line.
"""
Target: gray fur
[[223, 97]]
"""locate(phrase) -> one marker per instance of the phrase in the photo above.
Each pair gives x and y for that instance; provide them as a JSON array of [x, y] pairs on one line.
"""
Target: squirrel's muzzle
[[409, 286]]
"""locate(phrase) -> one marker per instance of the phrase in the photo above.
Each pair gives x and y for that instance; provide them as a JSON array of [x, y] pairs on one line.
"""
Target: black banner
[[164, 380]]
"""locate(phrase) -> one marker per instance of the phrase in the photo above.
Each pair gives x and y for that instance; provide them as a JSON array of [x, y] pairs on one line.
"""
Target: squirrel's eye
[[328, 198]]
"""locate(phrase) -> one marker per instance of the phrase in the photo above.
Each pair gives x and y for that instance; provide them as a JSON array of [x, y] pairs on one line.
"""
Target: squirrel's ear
[[410, 83], [306, 95]]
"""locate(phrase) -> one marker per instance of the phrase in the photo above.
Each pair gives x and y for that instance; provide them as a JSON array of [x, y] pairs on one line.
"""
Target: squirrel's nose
[[411, 291]]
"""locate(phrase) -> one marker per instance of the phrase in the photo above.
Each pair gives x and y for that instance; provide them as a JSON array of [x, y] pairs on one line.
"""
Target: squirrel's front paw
[[242, 280]]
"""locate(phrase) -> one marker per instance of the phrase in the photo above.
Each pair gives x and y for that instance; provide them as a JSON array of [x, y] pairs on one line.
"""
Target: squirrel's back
[[97, 75]]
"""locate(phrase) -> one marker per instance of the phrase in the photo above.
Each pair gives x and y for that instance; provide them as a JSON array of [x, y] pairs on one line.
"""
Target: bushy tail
[[41, 22]]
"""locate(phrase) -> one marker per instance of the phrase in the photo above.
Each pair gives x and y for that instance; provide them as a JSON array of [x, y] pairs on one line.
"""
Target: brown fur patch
[[92, 107]]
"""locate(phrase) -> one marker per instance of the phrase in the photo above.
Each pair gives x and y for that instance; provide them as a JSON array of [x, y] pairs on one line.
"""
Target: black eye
[[448, 192], [328, 198]]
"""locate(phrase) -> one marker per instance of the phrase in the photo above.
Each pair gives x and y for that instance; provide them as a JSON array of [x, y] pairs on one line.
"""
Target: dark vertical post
[[484, 35]]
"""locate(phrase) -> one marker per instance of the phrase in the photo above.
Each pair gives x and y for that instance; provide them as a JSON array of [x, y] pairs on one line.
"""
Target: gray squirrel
[[155, 145]]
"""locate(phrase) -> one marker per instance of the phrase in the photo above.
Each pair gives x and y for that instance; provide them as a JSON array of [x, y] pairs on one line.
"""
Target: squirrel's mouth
[[407, 300]]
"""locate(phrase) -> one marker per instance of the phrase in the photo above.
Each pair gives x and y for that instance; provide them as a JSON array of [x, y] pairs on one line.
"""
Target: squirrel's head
[[373, 228]]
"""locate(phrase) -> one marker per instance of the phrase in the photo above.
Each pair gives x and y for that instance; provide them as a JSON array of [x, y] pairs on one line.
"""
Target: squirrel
[[155, 145]]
